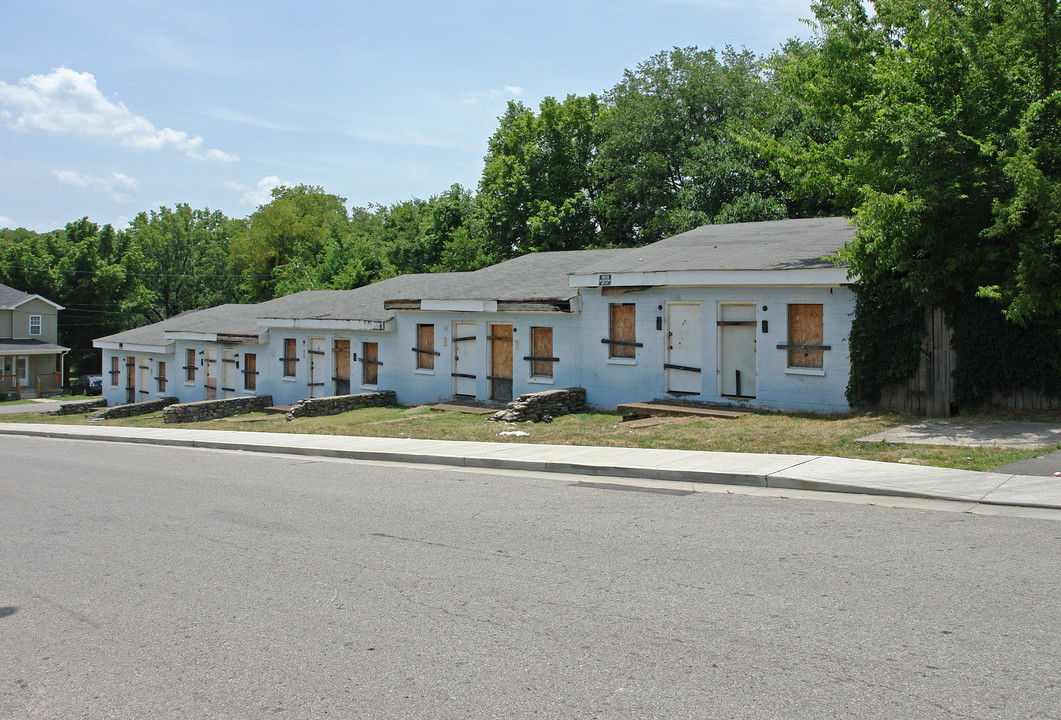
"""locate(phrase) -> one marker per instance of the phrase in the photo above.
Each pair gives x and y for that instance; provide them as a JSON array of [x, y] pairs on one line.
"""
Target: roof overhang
[[823, 277], [31, 298], [350, 325], [132, 347], [532, 305]]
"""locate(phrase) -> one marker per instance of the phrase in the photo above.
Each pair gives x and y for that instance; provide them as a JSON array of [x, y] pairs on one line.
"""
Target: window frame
[[39, 324], [622, 345], [189, 366], [541, 369], [425, 353], [805, 345], [250, 371], [290, 358]]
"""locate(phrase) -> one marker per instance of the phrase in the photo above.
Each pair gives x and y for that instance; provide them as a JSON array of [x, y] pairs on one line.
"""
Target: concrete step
[[467, 409], [278, 409]]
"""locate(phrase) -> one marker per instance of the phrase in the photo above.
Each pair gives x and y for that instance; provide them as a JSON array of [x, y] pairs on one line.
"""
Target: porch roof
[[10, 346]]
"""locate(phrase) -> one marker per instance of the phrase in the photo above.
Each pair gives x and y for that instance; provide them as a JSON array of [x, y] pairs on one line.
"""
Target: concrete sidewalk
[[794, 472]]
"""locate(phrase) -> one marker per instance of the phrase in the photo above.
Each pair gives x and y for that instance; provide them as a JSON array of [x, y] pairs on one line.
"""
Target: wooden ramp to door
[[636, 410]]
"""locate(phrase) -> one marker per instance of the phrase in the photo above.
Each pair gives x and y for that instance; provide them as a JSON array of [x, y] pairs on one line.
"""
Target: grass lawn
[[767, 433]]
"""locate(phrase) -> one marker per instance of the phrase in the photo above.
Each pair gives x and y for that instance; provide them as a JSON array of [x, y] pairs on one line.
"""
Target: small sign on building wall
[[605, 280]]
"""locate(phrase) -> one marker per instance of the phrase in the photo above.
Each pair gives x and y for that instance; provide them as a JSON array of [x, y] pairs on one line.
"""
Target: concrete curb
[[780, 472]]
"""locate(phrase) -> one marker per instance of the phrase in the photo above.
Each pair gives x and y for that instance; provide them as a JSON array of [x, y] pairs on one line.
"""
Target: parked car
[[87, 385]]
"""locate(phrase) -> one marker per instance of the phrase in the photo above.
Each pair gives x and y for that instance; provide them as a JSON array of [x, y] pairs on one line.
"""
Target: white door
[[228, 373], [210, 374], [683, 357], [317, 370], [736, 342], [144, 381], [464, 355]]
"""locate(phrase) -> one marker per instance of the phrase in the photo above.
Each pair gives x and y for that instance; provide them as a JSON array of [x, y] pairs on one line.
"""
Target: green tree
[[185, 259], [946, 145], [536, 191], [671, 151], [293, 229]]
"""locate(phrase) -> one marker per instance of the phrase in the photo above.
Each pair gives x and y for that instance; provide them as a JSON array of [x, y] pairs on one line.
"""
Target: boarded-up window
[[622, 336], [290, 357], [250, 371], [541, 352], [425, 347], [189, 365], [805, 336], [115, 371], [369, 363], [161, 376]]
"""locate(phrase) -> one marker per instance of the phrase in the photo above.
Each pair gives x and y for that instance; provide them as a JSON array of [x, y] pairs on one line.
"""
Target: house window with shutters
[[806, 337], [622, 340], [290, 358], [541, 357], [189, 366], [425, 347]]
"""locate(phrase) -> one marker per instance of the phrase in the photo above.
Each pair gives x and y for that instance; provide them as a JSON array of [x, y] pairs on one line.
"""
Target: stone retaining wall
[[133, 409], [335, 404], [80, 407], [536, 406], [214, 409]]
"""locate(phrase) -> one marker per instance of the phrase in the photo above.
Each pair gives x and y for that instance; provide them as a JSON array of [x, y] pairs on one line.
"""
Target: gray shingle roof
[[10, 297], [784, 244], [774, 245]]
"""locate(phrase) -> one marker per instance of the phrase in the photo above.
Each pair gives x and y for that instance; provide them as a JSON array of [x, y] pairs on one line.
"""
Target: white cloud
[[5, 221], [260, 194], [118, 187], [66, 101], [473, 98]]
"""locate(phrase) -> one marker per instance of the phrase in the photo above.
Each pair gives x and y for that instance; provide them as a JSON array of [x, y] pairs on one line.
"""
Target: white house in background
[[29, 349], [743, 314]]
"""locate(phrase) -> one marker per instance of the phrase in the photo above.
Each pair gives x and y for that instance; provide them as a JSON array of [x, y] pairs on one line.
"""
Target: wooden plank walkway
[[467, 409], [648, 409]]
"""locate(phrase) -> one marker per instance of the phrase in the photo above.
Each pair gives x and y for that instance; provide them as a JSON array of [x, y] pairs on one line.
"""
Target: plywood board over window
[[290, 357], [805, 336], [370, 363], [250, 371], [541, 352], [425, 347], [622, 335]]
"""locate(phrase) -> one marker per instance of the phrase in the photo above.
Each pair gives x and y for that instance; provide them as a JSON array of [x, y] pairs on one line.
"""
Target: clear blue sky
[[112, 108]]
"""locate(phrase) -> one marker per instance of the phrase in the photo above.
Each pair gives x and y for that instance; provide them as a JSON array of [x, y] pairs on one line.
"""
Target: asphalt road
[[148, 582]]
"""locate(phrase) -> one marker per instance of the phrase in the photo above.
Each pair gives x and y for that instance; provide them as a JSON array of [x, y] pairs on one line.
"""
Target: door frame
[[683, 371], [465, 342], [498, 382], [741, 384], [316, 354]]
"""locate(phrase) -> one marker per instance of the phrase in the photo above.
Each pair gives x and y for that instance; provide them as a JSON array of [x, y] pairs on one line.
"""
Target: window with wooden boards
[[805, 336], [541, 357], [622, 340], [250, 371], [290, 358], [425, 347], [189, 366], [161, 377], [370, 363], [115, 371]]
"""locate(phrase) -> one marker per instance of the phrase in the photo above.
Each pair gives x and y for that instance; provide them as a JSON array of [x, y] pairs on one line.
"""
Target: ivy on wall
[[993, 353], [885, 340], [996, 354]]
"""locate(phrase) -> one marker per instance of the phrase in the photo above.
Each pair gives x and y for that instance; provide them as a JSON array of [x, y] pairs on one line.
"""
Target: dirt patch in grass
[[759, 433]]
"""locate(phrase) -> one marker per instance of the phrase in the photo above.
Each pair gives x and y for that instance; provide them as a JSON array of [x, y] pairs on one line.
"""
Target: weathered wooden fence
[[930, 391]]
